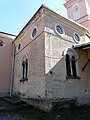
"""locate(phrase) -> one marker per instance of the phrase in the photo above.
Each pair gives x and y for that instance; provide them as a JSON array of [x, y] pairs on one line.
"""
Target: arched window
[[24, 67], [68, 68], [71, 62]]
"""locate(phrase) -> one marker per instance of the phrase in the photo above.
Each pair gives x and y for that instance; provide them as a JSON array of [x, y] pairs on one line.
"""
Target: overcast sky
[[14, 14]]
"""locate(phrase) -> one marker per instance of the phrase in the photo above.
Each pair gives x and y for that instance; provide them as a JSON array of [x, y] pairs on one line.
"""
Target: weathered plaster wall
[[47, 66], [34, 88], [84, 97], [57, 86]]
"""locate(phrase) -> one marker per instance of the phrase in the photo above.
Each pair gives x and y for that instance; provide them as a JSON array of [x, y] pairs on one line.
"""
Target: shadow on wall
[[57, 86], [55, 79]]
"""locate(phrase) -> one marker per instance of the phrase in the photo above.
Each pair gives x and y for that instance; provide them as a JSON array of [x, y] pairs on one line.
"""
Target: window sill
[[24, 79], [72, 77]]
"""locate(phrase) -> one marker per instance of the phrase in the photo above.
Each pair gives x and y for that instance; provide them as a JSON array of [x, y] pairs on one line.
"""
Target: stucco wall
[[35, 86], [76, 13], [5, 66], [57, 86], [84, 97], [47, 66]]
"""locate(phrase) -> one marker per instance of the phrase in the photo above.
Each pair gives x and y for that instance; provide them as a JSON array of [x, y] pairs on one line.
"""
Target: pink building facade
[[49, 60], [6, 53]]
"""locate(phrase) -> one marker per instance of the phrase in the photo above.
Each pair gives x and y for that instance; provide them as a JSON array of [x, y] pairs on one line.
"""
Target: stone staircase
[[12, 103]]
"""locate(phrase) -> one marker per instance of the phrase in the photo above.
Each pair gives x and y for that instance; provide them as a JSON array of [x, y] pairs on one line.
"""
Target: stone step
[[63, 103], [7, 104], [13, 100]]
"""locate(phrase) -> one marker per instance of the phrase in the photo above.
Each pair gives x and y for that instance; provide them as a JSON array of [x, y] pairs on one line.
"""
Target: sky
[[14, 14]]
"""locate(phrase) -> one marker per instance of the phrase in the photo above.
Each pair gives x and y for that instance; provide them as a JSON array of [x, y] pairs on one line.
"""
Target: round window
[[75, 9], [76, 38], [59, 29], [1, 43], [34, 32]]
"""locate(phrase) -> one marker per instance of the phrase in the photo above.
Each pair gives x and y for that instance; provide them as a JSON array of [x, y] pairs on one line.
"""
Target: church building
[[49, 60]]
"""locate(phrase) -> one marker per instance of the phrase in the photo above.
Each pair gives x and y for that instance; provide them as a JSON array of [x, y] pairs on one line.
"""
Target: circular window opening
[[34, 32], [75, 8], [76, 38], [1, 43], [59, 29]]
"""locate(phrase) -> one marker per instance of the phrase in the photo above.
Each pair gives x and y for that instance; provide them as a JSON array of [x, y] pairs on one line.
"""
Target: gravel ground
[[7, 116]]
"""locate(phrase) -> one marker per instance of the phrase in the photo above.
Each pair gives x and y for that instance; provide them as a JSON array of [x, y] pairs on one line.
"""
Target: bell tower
[[79, 11]]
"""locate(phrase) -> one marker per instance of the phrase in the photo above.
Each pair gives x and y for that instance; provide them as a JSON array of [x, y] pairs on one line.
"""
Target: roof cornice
[[67, 20], [7, 35]]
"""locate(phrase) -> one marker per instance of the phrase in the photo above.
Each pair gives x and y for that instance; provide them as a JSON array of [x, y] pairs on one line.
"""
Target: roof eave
[[7, 35]]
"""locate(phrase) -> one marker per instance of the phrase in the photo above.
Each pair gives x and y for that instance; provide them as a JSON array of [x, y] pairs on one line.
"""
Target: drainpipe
[[13, 66]]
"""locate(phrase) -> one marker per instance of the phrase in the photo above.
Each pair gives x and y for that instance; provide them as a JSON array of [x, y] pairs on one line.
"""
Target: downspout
[[13, 66]]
